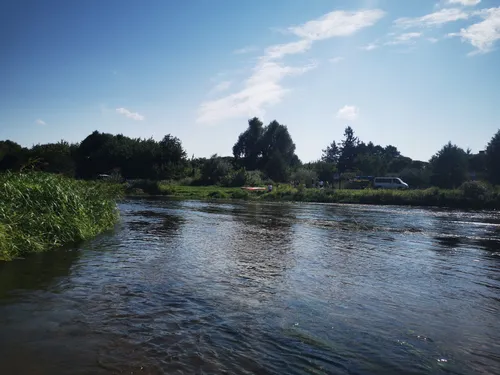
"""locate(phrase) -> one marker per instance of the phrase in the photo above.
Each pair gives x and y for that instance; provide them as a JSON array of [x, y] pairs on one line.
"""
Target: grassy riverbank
[[473, 196], [41, 211]]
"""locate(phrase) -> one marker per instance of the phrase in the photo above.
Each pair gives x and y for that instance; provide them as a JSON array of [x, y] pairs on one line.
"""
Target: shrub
[[147, 186], [217, 195], [475, 190], [304, 176]]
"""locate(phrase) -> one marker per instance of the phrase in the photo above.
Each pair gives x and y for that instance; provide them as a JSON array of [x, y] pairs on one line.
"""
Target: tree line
[[261, 154]]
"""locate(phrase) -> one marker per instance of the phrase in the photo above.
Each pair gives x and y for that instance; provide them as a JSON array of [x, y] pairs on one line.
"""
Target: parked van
[[389, 183]]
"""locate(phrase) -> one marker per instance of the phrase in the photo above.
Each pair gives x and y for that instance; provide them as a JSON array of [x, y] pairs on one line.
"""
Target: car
[[389, 183]]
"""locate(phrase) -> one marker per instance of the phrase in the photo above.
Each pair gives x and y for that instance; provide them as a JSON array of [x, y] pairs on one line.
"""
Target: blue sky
[[412, 73]]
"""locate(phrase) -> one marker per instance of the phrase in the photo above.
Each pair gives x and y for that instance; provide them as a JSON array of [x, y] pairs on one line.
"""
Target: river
[[187, 287]]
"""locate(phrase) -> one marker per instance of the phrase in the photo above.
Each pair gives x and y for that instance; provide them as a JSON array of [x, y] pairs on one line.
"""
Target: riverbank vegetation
[[471, 195], [40, 211], [264, 155], [261, 155]]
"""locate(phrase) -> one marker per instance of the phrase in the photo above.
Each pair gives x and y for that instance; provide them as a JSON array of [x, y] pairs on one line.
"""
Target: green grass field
[[429, 197], [40, 211]]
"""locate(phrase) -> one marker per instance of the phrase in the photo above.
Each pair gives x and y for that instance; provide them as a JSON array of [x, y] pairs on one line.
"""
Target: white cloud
[[433, 19], [244, 50], [406, 38], [280, 50], [263, 88], [336, 60], [485, 34], [433, 40], [464, 2], [222, 86], [348, 112], [133, 115], [40, 122], [337, 23], [370, 47]]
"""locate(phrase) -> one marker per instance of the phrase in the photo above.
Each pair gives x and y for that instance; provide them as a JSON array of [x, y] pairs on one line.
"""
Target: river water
[[187, 287]]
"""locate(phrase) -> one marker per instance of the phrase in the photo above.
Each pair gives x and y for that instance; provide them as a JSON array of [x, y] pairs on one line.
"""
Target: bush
[[304, 176], [217, 195], [147, 186], [186, 181], [475, 190]]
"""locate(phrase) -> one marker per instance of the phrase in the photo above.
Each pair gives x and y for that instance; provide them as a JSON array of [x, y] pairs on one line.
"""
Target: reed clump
[[41, 211]]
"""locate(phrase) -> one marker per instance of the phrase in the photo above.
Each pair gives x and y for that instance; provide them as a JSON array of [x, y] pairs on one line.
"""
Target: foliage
[[331, 153], [348, 151], [268, 148], [261, 155], [304, 176], [247, 150], [492, 159], [40, 211], [214, 170], [475, 190], [455, 198], [449, 167]]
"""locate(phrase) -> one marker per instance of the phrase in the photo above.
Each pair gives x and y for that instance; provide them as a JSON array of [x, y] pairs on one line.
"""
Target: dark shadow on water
[[492, 245], [36, 271], [158, 223], [448, 241]]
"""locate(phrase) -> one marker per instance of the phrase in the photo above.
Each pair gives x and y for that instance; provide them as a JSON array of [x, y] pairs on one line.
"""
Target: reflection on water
[[243, 288]]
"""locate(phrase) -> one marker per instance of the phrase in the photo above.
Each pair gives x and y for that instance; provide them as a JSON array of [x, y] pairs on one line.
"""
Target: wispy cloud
[[40, 122], [133, 115], [348, 112], [463, 2], [245, 50], [370, 47], [433, 40], [336, 60], [280, 50], [482, 35], [433, 19], [337, 23], [263, 88], [406, 38], [220, 87]]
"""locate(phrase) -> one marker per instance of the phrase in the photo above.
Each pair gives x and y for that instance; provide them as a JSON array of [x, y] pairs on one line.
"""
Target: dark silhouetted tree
[[12, 156], [247, 150], [331, 153], [493, 159], [449, 167], [348, 151]]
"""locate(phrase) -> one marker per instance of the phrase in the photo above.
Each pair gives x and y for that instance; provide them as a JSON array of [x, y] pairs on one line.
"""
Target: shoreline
[[432, 197]]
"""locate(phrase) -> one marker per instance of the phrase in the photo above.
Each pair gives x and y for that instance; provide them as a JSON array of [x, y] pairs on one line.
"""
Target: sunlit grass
[[41, 211], [283, 192]]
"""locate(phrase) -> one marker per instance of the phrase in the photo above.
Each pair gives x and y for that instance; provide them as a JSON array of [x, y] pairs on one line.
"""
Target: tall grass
[[40, 211]]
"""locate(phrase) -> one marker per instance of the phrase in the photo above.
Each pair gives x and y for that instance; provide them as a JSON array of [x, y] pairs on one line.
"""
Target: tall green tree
[[348, 151], [247, 151], [54, 158], [493, 159], [449, 167], [331, 153], [12, 156]]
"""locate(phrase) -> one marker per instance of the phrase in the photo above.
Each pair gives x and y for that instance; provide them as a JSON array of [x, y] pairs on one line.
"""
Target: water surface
[[252, 288]]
